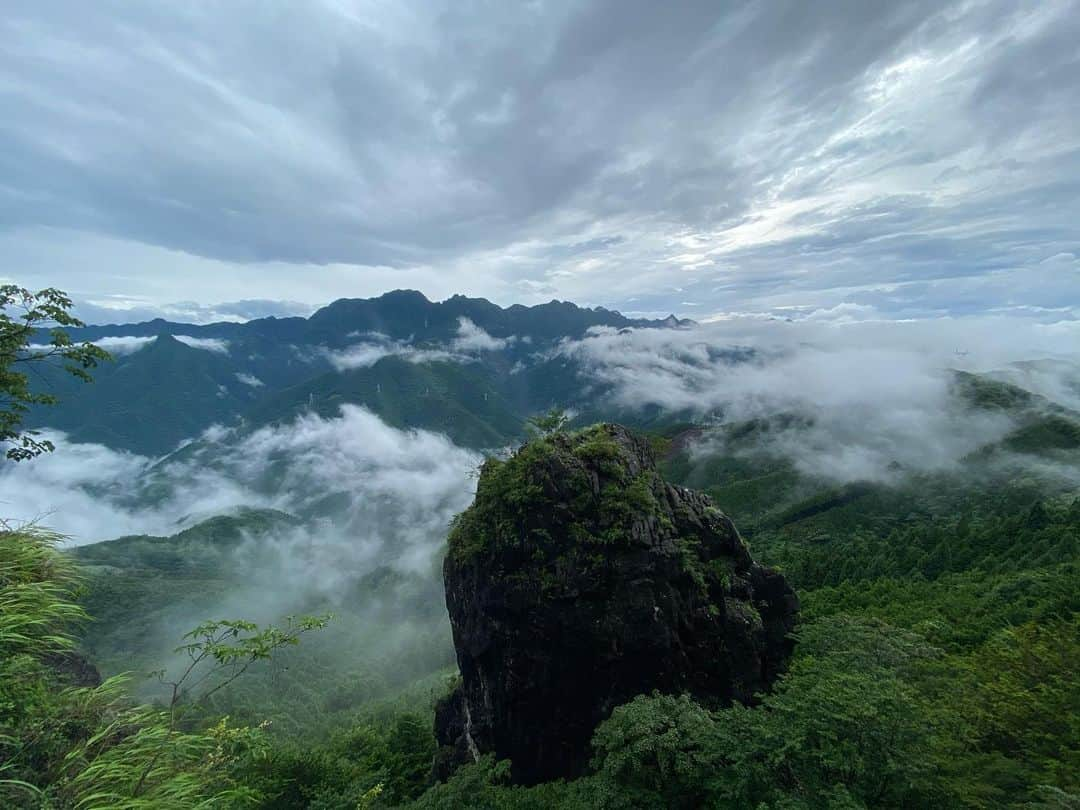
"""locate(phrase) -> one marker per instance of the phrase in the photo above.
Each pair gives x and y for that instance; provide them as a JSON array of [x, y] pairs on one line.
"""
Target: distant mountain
[[464, 366], [1041, 427], [399, 314], [149, 400], [463, 400], [200, 549]]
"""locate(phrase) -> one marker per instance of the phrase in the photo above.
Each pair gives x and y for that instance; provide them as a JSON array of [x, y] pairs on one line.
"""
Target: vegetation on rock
[[577, 564]]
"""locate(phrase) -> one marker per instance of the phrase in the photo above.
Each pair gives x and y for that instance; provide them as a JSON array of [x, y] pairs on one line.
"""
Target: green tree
[[545, 424], [26, 316], [842, 729]]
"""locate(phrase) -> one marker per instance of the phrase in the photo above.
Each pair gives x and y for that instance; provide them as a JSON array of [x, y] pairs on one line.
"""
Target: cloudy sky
[[252, 157]]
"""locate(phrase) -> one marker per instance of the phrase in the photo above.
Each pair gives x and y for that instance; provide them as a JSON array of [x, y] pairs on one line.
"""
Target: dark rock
[[579, 579], [73, 669]]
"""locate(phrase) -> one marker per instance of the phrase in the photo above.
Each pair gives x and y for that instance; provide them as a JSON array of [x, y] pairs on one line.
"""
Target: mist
[[469, 341], [871, 397], [216, 345], [364, 497], [397, 487]]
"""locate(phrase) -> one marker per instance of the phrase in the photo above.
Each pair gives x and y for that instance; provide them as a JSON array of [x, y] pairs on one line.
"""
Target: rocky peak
[[579, 579]]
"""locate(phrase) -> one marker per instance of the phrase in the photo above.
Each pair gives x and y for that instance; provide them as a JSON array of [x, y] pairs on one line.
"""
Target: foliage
[[136, 758], [378, 761], [37, 587], [37, 615], [841, 724], [23, 314], [230, 647], [553, 421], [67, 742], [521, 495], [485, 786], [1025, 707]]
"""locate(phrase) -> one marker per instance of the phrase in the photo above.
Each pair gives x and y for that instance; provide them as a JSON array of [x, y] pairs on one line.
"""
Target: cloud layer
[[216, 345], [700, 157], [470, 341], [383, 491], [869, 394]]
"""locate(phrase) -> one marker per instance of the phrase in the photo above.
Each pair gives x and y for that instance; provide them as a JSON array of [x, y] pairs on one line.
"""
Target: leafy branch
[[545, 424], [26, 316], [228, 648]]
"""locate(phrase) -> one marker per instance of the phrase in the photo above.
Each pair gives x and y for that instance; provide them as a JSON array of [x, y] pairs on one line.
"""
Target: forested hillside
[[170, 381], [272, 629], [935, 666]]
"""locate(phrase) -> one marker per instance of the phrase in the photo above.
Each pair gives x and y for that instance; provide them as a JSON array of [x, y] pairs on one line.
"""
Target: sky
[[207, 160]]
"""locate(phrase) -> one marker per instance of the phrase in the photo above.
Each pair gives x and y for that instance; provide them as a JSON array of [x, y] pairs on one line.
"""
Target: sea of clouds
[[871, 394], [383, 488], [873, 397]]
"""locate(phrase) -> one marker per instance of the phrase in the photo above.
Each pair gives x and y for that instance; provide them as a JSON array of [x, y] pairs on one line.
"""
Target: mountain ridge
[[369, 308], [267, 370]]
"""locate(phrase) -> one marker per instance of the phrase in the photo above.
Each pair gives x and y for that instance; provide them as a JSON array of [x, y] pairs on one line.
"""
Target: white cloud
[[216, 345], [469, 341], [471, 338], [398, 489], [250, 379], [844, 313], [362, 355], [117, 345], [121, 345], [872, 392], [366, 353]]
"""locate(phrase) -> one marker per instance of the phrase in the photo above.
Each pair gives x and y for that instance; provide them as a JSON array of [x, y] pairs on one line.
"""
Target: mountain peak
[[578, 579], [396, 295]]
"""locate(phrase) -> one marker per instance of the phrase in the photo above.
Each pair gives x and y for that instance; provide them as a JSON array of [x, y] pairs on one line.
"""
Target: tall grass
[[37, 591], [64, 745]]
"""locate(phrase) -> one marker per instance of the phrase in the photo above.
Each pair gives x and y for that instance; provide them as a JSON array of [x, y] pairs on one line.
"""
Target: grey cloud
[[586, 149], [251, 308]]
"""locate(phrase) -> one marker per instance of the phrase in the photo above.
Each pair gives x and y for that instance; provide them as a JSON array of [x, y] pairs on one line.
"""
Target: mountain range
[[926, 517], [464, 366]]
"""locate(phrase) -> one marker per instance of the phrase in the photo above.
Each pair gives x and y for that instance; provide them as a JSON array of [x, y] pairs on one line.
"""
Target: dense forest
[[935, 657], [935, 666]]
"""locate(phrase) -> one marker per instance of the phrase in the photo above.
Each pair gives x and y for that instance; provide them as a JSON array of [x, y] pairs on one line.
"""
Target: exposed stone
[[579, 579], [73, 668]]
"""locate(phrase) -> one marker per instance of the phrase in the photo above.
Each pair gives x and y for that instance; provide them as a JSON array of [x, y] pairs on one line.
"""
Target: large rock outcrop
[[579, 579]]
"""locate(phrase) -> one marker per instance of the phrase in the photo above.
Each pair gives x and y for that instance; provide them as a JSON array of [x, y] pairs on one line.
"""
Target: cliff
[[579, 579]]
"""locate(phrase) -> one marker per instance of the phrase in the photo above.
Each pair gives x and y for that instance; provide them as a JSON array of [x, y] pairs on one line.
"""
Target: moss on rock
[[579, 579]]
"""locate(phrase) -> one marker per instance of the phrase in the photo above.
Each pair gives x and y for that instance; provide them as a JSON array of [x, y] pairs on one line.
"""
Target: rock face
[[579, 579]]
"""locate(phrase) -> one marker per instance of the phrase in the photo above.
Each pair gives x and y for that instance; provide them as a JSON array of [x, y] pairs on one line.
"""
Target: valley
[[937, 573]]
